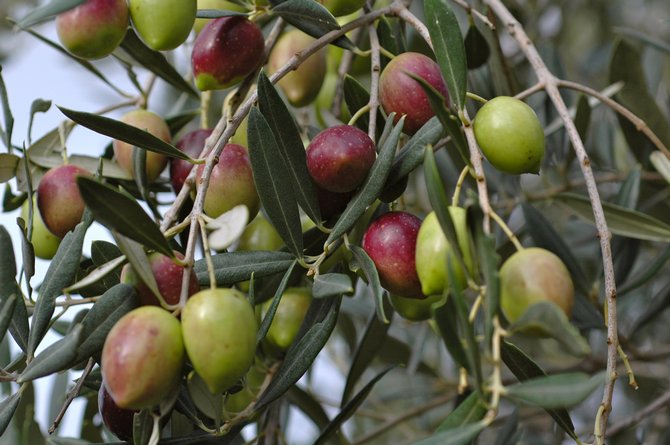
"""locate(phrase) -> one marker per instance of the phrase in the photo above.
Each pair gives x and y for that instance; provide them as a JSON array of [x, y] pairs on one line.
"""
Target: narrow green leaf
[[477, 49], [107, 310], [124, 132], [82, 62], [103, 252], [555, 391], [308, 405], [357, 97], [57, 357], [119, 212], [315, 331], [643, 37], [545, 236], [449, 48], [143, 426], [138, 260], [218, 13], [437, 194], [7, 313], [312, 18], [47, 11], [331, 284], [626, 65], [60, 274], [372, 186], [233, 267], [659, 302], [350, 408], [547, 319], [155, 62], [412, 153], [582, 121], [524, 368], [366, 351], [489, 258], [647, 274], [620, 220], [272, 310], [457, 436], [273, 182], [7, 113], [8, 165], [370, 272], [471, 410], [449, 122], [290, 145], [38, 106], [661, 163], [110, 169], [7, 409], [447, 322], [509, 432]]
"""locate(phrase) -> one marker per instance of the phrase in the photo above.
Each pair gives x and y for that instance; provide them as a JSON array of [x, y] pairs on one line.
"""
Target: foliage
[[600, 203]]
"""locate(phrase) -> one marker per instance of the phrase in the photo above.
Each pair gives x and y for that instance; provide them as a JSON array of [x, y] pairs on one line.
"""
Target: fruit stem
[[459, 186], [361, 111], [629, 370], [207, 253], [174, 230], [505, 228], [476, 97]]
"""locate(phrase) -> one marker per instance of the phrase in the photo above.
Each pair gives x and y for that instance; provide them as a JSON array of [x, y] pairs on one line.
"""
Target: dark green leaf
[[370, 272], [143, 425], [620, 220], [38, 106], [477, 49], [458, 436], [110, 169], [366, 351], [103, 252], [233, 267], [7, 409], [47, 11], [449, 48], [647, 274], [471, 410], [7, 113], [124, 132], [308, 405], [350, 408], [489, 259], [547, 319], [331, 284], [545, 236], [138, 260], [290, 145], [372, 186], [582, 121], [645, 38], [449, 122], [119, 212], [7, 313], [357, 97], [316, 329], [312, 18], [155, 62], [272, 182], [107, 310], [509, 432], [555, 391], [412, 153], [447, 323], [60, 274], [626, 65], [57, 357], [270, 313], [218, 13], [524, 368], [389, 39], [8, 165], [654, 308]]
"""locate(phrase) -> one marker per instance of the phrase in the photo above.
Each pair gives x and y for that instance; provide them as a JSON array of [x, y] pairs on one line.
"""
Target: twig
[[376, 66], [74, 393], [417, 24], [482, 18], [639, 124], [551, 86], [636, 418]]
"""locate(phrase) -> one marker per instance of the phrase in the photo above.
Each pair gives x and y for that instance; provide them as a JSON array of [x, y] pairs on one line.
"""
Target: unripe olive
[[414, 309], [433, 252], [302, 85], [142, 357], [163, 24], [534, 275], [45, 243], [510, 135], [219, 329], [289, 316]]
